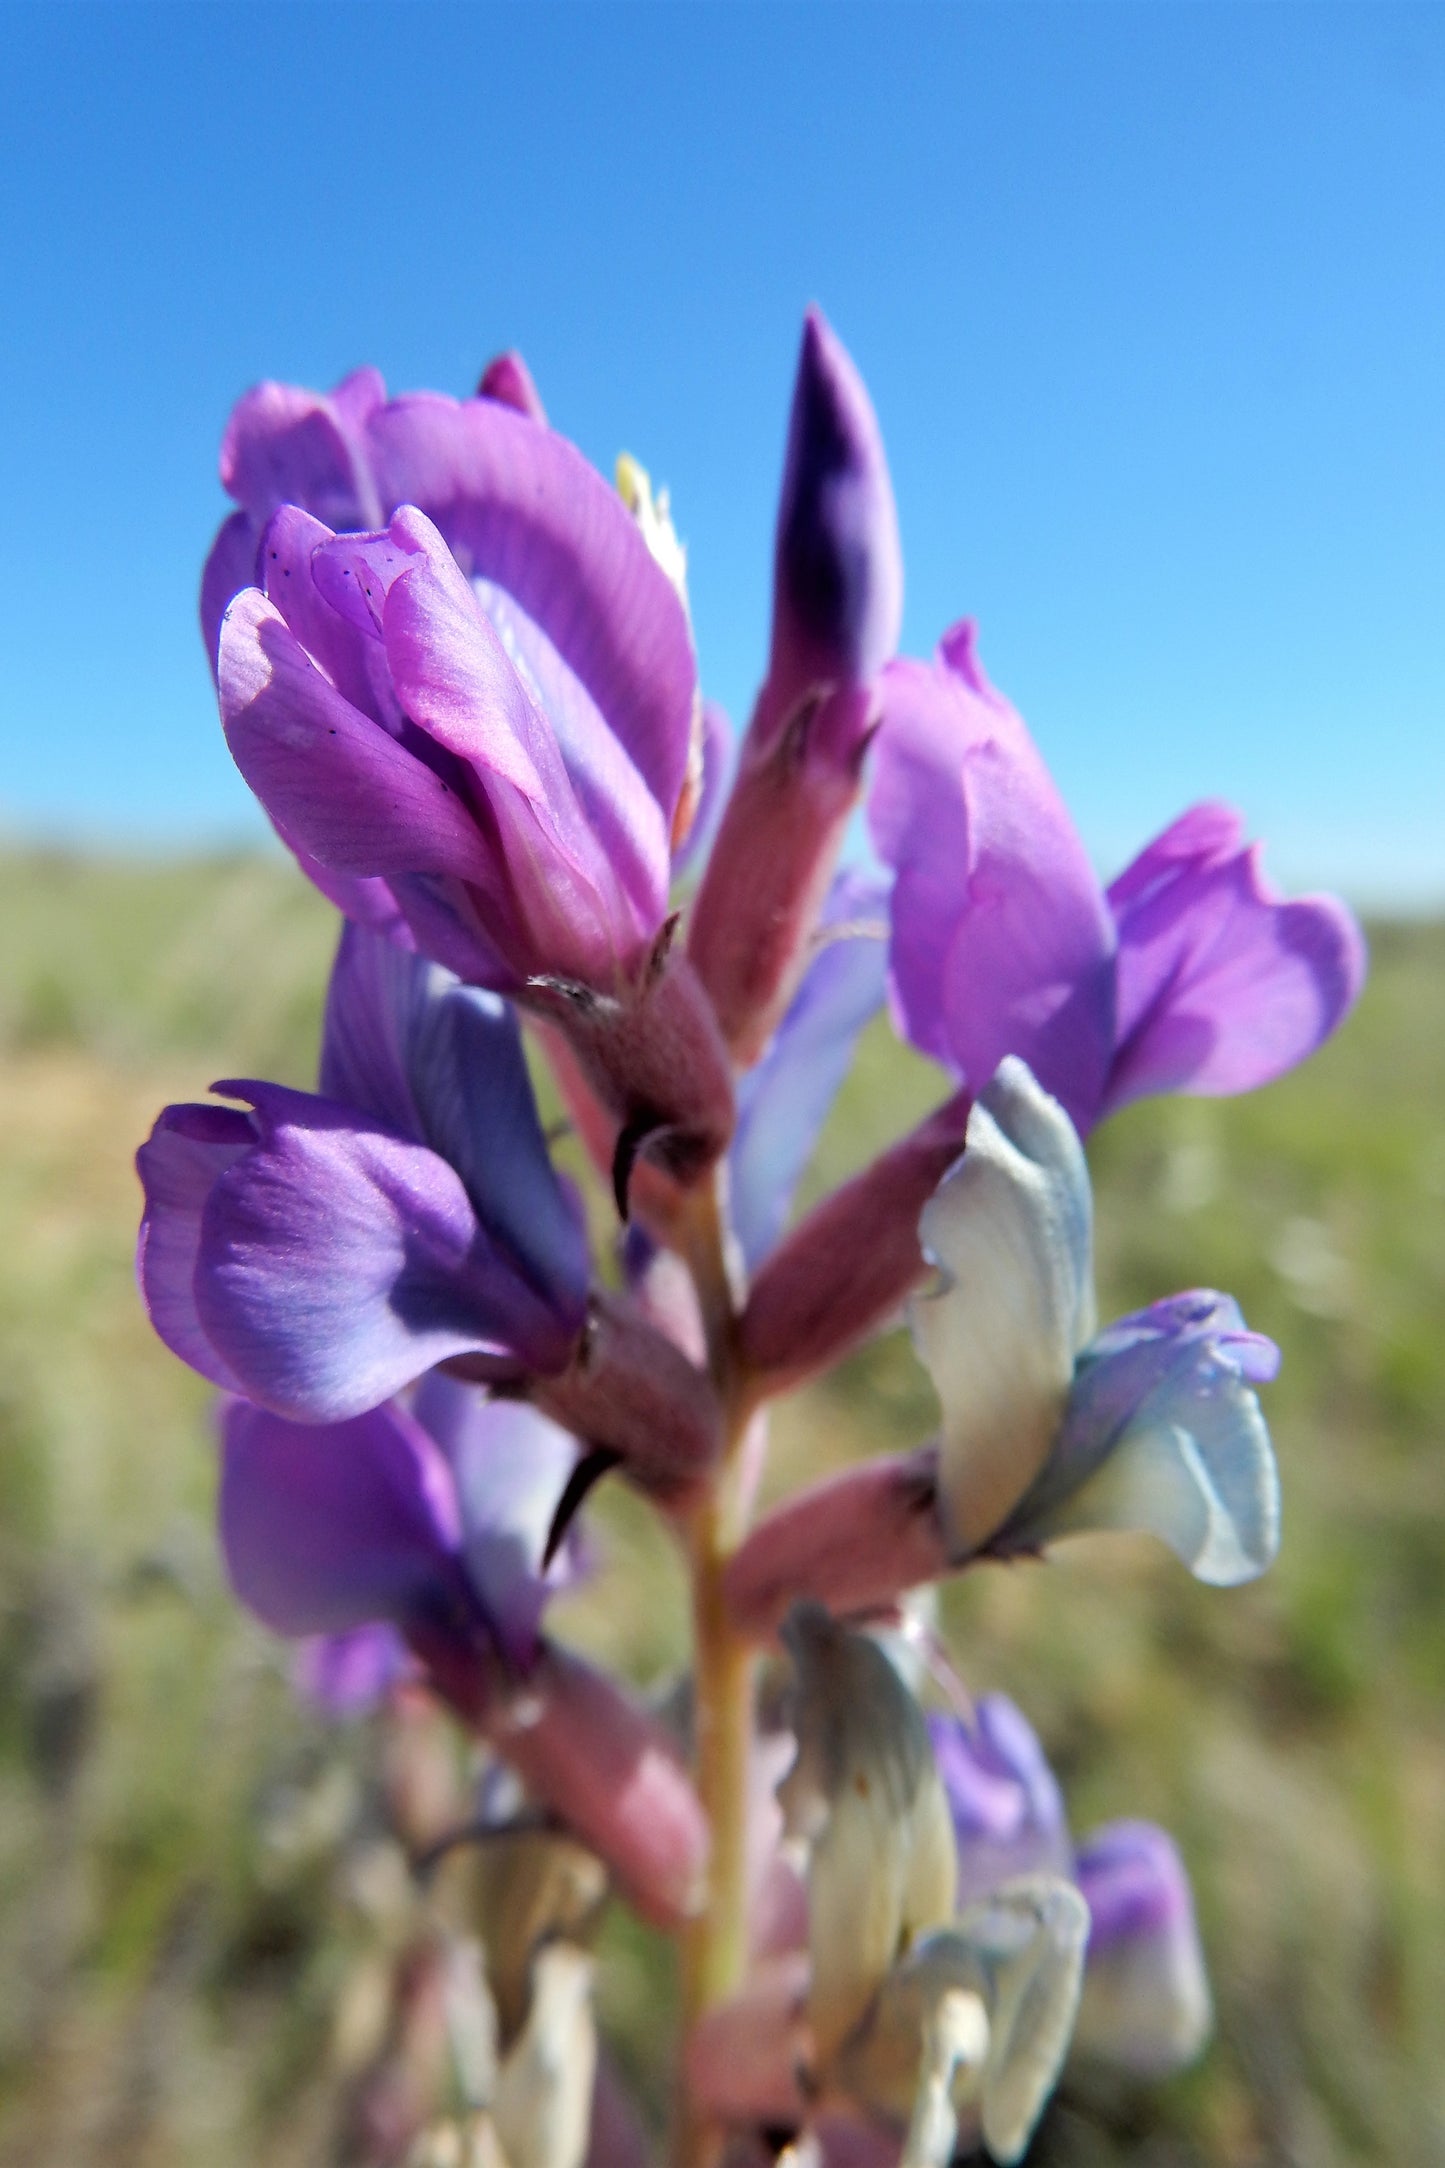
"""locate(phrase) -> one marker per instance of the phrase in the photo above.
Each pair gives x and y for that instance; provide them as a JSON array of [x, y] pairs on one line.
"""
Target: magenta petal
[[1001, 940], [507, 379], [230, 566], [338, 1262], [326, 1527], [292, 554], [1222, 986], [590, 899], [189, 1148], [285, 445], [336, 785], [522, 509]]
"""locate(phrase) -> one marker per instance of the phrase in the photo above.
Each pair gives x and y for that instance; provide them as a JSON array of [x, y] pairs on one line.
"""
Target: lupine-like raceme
[[457, 669]]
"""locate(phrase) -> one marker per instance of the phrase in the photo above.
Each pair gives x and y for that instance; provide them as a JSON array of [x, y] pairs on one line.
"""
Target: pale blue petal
[[784, 1102]]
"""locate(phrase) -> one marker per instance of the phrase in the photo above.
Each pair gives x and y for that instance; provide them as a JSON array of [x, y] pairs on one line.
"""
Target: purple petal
[[1001, 940], [336, 785], [1008, 1811], [1146, 2004], [326, 1527], [1221, 985], [784, 1101], [347, 1674], [285, 445], [507, 379], [591, 891], [339, 1261], [522, 510], [230, 566], [511, 1466], [188, 1150], [838, 577], [298, 578]]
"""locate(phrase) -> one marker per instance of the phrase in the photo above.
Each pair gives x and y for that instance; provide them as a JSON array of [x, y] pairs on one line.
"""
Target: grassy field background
[[179, 1946]]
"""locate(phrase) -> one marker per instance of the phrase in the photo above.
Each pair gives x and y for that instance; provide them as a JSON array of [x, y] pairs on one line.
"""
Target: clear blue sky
[[1151, 300]]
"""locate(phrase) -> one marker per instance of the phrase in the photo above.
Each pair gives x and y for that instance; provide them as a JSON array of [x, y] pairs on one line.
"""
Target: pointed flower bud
[[837, 606], [846, 1269], [838, 574]]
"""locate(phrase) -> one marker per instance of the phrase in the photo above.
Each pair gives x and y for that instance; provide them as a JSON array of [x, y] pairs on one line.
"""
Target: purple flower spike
[[838, 574], [1146, 2004], [1008, 1811], [1190, 975], [1222, 986], [837, 605]]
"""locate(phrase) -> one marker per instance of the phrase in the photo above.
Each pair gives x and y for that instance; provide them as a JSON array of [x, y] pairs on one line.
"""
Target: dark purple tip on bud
[[508, 380], [838, 591]]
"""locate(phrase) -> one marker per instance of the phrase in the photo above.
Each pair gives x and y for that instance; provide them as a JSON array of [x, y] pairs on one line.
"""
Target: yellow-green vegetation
[[178, 1941]]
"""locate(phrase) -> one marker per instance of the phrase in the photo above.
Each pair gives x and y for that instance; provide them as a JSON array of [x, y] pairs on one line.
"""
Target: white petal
[[543, 2102], [1010, 1229], [1029, 1940], [865, 1793], [955, 2040], [997, 1992], [1198, 1471]]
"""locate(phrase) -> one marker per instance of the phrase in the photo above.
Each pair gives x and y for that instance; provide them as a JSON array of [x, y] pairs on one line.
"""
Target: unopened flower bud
[[848, 1267], [837, 606], [855, 1542]]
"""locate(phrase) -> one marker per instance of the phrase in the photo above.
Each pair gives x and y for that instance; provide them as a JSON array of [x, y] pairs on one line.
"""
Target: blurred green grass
[[172, 1948]]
